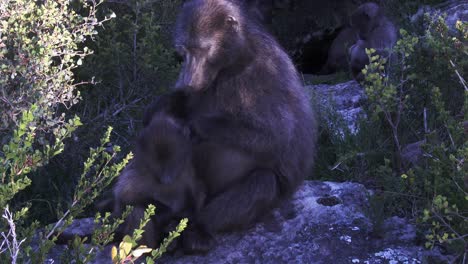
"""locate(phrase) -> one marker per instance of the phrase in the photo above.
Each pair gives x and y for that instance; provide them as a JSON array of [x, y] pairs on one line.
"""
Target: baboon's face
[[363, 19], [200, 64], [206, 36]]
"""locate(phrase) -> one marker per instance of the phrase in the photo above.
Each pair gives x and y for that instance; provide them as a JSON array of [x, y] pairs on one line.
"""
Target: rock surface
[[455, 10], [325, 222], [345, 99]]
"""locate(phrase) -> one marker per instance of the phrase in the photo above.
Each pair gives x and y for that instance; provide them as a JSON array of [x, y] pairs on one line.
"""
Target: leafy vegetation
[[132, 62], [412, 147], [129, 250], [43, 45]]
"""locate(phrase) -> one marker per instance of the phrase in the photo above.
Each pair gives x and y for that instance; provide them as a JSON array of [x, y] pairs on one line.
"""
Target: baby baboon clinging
[[338, 53], [161, 174], [375, 31], [247, 108]]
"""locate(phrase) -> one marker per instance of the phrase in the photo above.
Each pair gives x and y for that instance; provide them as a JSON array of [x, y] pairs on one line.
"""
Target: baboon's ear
[[232, 22]]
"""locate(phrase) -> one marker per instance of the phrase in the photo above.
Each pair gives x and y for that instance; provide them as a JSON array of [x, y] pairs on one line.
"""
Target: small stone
[[347, 239]]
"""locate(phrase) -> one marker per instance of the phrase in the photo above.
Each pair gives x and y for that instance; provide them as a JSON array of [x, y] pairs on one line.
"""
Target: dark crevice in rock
[[312, 53], [329, 201]]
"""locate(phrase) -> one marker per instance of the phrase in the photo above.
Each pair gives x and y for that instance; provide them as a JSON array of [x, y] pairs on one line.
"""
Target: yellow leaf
[[124, 249], [445, 236], [140, 251], [125, 246], [115, 260]]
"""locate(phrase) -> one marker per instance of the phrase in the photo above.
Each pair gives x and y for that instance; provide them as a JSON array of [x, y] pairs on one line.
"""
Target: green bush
[[39, 51], [129, 251], [132, 63], [418, 95], [42, 46]]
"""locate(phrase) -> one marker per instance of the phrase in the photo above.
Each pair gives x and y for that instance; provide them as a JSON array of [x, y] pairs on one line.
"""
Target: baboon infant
[[375, 31], [161, 174]]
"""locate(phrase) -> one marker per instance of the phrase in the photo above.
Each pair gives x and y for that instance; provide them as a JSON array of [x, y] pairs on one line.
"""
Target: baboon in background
[[263, 9], [375, 31], [161, 174], [254, 127], [338, 58]]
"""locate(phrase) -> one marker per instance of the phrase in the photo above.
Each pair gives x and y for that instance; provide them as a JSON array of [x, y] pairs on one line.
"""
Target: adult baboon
[[251, 118], [161, 174], [375, 31], [338, 58]]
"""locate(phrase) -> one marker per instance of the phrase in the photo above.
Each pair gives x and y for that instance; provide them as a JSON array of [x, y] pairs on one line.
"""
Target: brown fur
[[251, 118], [161, 174], [375, 31]]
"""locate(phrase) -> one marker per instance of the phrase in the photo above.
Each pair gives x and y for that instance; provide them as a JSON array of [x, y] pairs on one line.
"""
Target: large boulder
[[454, 10], [324, 222]]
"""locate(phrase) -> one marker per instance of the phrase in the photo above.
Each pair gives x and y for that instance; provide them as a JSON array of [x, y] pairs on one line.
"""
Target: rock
[[456, 10], [325, 222], [344, 98], [83, 227]]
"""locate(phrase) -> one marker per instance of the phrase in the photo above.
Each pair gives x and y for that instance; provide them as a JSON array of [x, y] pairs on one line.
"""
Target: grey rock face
[[300, 231], [324, 222], [455, 10], [458, 11], [345, 99]]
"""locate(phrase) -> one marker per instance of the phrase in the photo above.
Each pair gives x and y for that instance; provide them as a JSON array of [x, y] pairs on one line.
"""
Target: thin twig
[[59, 222], [425, 121], [449, 226], [14, 245], [462, 81]]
